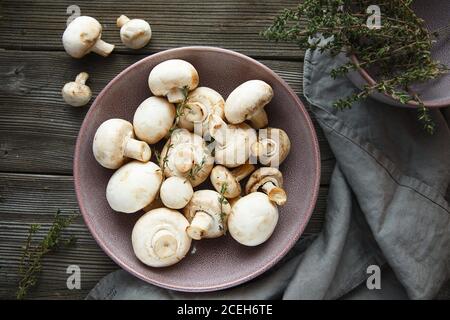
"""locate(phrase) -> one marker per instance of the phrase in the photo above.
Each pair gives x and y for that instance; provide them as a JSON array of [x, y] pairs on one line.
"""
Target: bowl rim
[[441, 103], [306, 217]]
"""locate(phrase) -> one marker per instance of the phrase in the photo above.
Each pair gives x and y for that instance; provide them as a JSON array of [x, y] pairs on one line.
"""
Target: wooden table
[[38, 130]]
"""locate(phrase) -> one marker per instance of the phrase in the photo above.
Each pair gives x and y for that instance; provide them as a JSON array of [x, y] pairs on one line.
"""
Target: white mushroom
[[153, 119], [270, 181], [247, 102], [114, 142], [77, 93], [176, 192], [272, 147], [135, 33], [133, 186], [185, 154], [207, 213], [159, 237], [232, 142], [253, 219], [82, 36], [228, 182], [174, 79], [200, 104]]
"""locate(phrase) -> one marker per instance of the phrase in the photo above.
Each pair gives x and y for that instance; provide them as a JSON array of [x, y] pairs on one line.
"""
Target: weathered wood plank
[[27, 199], [232, 24], [38, 130]]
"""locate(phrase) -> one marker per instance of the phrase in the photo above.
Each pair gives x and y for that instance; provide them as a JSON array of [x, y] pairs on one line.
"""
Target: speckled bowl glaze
[[213, 264]]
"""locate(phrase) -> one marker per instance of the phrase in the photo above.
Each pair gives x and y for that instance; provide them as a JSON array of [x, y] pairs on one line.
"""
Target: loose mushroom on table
[[77, 93], [134, 33], [83, 35]]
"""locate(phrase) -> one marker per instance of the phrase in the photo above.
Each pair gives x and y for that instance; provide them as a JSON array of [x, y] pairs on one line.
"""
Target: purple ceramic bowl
[[215, 263]]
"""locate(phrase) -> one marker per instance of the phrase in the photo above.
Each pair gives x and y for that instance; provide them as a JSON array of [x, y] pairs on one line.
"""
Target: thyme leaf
[[31, 261]]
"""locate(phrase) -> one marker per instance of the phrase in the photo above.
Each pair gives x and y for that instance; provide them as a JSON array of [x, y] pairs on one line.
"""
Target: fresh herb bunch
[[31, 261], [398, 53]]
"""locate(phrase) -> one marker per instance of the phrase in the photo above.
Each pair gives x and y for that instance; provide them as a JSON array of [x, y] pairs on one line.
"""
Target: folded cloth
[[386, 207]]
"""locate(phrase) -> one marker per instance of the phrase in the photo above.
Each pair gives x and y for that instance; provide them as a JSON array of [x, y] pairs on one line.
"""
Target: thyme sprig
[[196, 168], [223, 201], [398, 54], [180, 108], [31, 261]]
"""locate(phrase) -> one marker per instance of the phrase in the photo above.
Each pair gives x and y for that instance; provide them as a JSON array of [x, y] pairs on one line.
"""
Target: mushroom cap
[[253, 219], [212, 102], [220, 175], [133, 186], [159, 237], [136, 33], [81, 35], [171, 74], [276, 146], [181, 141], [247, 99], [153, 119], [208, 201], [76, 94], [239, 138], [261, 176], [176, 192], [108, 146]]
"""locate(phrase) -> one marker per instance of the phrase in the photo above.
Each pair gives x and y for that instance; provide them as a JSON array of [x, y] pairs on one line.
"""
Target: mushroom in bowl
[[227, 182], [133, 186], [270, 181], [232, 141], [200, 104], [174, 79], [153, 119], [159, 238], [272, 147], [247, 102], [114, 143], [207, 213], [186, 155], [253, 219]]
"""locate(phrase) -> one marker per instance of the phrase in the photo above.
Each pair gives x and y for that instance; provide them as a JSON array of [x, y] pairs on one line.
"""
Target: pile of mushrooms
[[180, 203]]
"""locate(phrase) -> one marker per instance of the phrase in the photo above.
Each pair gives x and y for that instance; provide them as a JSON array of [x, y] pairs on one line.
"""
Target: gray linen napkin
[[386, 207]]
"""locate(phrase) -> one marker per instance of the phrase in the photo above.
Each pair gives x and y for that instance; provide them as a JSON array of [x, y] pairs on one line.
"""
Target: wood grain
[[27, 199], [231, 24], [38, 130]]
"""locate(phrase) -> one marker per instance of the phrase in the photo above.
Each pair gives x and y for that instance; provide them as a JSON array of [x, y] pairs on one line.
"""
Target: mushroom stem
[[138, 150], [259, 119], [218, 129], [102, 48], [164, 244], [200, 224], [196, 112], [82, 78], [243, 171], [275, 194], [175, 95], [122, 20]]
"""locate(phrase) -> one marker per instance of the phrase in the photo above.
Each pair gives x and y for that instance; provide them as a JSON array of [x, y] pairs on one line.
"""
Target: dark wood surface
[[38, 130]]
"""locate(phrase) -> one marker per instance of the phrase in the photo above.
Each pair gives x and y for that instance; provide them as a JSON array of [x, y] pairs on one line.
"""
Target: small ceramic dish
[[212, 264]]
